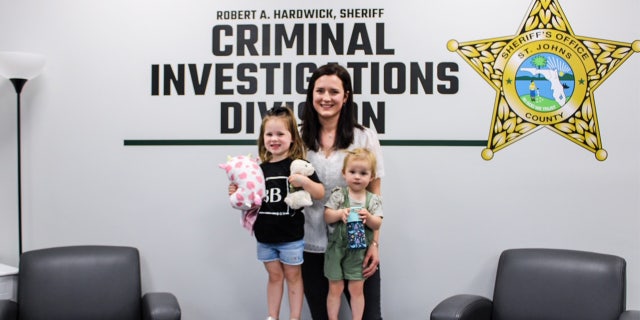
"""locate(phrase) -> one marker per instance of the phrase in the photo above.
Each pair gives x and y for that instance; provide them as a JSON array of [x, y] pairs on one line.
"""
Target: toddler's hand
[[364, 214], [345, 215]]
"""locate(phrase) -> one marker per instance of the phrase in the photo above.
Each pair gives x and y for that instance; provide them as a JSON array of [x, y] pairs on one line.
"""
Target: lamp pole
[[19, 67], [18, 84]]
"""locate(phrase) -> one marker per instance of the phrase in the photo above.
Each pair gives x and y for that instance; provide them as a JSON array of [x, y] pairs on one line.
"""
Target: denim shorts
[[290, 253]]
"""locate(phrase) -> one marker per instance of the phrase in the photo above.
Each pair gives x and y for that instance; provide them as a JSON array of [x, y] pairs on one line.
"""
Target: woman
[[329, 128]]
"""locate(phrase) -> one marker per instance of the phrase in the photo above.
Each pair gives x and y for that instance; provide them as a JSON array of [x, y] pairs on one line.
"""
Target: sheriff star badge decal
[[544, 77]]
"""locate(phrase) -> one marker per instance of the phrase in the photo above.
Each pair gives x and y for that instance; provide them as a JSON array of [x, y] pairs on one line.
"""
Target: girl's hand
[[232, 188], [297, 180]]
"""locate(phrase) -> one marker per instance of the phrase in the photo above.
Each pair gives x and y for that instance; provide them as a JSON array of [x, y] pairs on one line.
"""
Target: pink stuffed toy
[[245, 172]]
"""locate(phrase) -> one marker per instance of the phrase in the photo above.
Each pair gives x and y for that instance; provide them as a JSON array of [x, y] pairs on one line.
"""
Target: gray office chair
[[85, 282], [549, 284]]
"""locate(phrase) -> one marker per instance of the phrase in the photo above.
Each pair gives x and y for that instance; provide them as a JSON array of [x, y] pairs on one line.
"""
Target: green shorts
[[341, 263]]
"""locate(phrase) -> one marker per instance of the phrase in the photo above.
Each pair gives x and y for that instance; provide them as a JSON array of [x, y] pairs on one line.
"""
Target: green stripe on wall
[[189, 142], [435, 143], [236, 142]]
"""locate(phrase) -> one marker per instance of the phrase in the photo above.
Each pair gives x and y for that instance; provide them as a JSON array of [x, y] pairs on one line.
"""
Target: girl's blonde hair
[[361, 154], [297, 149]]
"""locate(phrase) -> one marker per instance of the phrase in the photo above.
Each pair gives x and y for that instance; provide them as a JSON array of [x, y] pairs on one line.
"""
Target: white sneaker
[[271, 318]]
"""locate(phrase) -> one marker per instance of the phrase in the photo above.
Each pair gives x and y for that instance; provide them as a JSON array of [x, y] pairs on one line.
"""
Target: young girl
[[343, 262], [279, 229]]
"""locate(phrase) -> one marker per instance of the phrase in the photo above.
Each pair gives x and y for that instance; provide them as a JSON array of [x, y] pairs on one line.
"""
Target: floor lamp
[[20, 67]]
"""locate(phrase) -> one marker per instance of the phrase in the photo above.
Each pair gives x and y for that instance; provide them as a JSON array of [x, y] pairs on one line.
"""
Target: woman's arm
[[372, 259], [375, 186]]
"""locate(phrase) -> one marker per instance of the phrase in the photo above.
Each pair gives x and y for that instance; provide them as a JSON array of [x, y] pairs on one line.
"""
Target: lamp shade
[[21, 65]]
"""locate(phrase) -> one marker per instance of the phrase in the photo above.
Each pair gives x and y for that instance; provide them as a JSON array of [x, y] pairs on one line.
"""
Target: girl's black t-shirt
[[276, 221]]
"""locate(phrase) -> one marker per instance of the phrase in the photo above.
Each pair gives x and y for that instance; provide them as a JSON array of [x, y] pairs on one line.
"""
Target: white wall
[[443, 232]]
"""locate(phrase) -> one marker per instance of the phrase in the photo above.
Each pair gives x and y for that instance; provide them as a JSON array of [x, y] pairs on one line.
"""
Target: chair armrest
[[8, 310], [463, 307], [630, 315], [160, 306]]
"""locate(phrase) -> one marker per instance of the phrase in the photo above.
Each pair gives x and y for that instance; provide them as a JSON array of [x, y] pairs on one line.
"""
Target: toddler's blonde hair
[[361, 154]]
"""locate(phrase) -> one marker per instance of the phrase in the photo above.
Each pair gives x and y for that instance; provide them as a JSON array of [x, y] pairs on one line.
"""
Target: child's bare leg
[[333, 298], [293, 275], [357, 298], [275, 287]]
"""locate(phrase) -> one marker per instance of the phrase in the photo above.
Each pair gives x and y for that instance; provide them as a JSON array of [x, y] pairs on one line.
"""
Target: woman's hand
[[371, 260]]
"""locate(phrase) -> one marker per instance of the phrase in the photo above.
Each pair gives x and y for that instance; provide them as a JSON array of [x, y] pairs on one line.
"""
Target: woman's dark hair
[[310, 128]]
